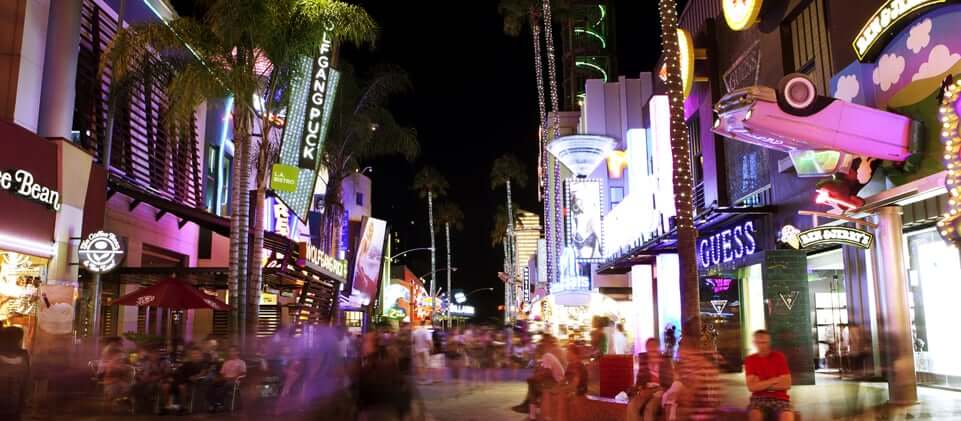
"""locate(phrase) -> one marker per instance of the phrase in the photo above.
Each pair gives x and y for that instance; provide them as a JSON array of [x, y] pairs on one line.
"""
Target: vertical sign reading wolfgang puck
[[314, 124]]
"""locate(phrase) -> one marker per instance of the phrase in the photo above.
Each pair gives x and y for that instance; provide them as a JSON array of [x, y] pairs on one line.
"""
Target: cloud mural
[[848, 88], [920, 36], [940, 60], [888, 72]]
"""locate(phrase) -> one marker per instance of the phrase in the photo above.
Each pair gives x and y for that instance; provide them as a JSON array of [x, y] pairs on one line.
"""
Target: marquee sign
[[835, 235], [888, 19], [316, 256], [101, 252], [727, 245], [741, 14], [20, 183], [686, 55], [314, 124]]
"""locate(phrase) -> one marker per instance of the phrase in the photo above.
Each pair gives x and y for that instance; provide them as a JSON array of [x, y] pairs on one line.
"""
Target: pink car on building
[[795, 119]]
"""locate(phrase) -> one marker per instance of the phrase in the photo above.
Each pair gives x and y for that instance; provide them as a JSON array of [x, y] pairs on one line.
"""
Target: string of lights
[[950, 224], [556, 222], [542, 107], [686, 232]]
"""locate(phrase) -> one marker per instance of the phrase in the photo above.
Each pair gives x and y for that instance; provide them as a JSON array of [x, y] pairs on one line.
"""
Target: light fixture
[[581, 153]]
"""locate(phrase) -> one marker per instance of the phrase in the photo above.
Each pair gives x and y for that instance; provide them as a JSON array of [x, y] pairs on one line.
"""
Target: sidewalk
[[830, 399]]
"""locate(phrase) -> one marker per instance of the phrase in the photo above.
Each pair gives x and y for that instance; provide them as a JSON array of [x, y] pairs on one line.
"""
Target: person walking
[[768, 379], [423, 343]]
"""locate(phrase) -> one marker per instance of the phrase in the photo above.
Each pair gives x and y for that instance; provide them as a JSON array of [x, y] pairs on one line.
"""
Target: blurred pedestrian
[[697, 391], [423, 342], [14, 372], [548, 373], [768, 379], [655, 375]]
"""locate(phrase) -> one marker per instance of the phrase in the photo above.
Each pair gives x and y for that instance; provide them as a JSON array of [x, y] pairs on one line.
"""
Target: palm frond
[[508, 168], [348, 22], [430, 180]]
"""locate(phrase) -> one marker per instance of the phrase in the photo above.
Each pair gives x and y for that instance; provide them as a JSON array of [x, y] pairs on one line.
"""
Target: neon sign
[[314, 127], [835, 235], [890, 16], [21, 183], [327, 262], [101, 252], [727, 245], [741, 14]]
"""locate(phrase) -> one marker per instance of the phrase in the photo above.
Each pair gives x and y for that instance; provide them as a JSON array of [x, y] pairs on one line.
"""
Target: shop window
[[225, 182], [806, 45], [210, 180], [20, 279], [617, 195], [933, 272], [359, 199]]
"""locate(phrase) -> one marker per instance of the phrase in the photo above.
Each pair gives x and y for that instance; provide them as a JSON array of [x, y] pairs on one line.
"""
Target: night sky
[[474, 99]]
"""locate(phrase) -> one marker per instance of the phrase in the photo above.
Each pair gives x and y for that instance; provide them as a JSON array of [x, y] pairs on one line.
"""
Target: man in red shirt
[[768, 379]]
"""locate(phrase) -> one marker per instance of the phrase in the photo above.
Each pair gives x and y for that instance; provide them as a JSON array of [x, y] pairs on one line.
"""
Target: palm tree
[[362, 128], [683, 196], [506, 169], [247, 50], [430, 184], [452, 217]]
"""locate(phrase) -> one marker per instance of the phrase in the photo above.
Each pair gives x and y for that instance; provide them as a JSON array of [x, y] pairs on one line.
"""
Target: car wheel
[[796, 93]]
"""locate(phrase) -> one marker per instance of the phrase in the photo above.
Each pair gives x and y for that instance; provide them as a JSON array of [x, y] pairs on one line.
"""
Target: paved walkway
[[830, 399]]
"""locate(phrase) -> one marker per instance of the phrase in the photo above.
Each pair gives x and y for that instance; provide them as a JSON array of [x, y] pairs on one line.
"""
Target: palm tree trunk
[[243, 228], [433, 254], [234, 270], [254, 277], [333, 216], [508, 307], [556, 221], [450, 295], [683, 196]]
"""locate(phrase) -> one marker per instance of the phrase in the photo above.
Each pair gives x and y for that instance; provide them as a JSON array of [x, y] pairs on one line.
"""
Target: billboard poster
[[367, 260], [584, 225]]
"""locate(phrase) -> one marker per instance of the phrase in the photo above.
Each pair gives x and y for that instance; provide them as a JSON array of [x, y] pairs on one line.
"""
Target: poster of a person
[[585, 218]]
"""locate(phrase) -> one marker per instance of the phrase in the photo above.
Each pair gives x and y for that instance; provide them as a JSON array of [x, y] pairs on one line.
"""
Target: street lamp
[[434, 294], [461, 298], [392, 258]]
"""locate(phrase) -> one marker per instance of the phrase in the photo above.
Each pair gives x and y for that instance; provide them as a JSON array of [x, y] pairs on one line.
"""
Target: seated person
[[655, 374], [196, 369], [232, 369], [768, 379], [548, 372], [116, 374], [153, 376]]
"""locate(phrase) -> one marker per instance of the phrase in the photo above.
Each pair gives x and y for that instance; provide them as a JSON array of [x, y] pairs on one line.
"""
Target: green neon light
[[603, 14], [592, 66], [592, 33]]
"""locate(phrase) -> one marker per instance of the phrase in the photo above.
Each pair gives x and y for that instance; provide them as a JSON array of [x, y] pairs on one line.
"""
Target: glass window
[[227, 171], [359, 199], [934, 270]]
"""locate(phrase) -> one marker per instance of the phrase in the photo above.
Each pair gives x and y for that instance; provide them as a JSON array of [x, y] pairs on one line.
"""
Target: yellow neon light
[[616, 163], [886, 18], [741, 14], [685, 48]]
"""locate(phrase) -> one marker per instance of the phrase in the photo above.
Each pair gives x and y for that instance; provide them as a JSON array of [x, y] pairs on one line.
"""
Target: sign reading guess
[[726, 246], [20, 182], [310, 147], [836, 235]]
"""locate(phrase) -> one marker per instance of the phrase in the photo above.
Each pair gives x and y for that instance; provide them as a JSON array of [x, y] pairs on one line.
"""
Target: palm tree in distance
[[452, 217], [430, 184], [362, 128], [508, 169], [683, 196], [250, 51]]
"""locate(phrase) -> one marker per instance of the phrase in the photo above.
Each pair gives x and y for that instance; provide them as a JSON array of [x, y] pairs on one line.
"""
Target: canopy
[[172, 293]]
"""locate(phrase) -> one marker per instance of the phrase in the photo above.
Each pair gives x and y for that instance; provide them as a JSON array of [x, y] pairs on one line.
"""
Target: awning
[[645, 252], [209, 278]]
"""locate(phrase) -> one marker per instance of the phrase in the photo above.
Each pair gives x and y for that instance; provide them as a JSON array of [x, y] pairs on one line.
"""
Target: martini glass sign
[[101, 252]]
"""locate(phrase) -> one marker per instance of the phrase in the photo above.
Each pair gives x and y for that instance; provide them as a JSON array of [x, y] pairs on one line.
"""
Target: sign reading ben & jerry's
[[886, 21], [21, 183]]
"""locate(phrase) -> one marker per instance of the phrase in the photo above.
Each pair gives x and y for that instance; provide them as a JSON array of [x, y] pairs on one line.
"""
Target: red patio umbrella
[[171, 293]]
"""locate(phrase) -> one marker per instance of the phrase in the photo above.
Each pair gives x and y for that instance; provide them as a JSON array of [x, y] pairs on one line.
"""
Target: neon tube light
[[27, 246], [593, 34], [593, 66]]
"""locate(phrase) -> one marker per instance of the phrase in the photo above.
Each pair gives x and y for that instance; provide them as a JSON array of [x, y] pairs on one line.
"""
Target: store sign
[[835, 235], [741, 14], [745, 71], [101, 252], [462, 310], [887, 20], [284, 178], [728, 245], [314, 125], [20, 182], [685, 48], [326, 262]]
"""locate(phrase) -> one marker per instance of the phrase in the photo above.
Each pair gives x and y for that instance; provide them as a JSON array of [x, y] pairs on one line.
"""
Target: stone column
[[60, 70], [893, 308]]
